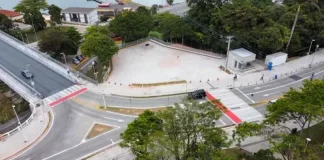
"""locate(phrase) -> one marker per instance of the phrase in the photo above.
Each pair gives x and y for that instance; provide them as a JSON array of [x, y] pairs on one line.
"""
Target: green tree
[[304, 107], [55, 13], [100, 45], [74, 35], [137, 134], [262, 154], [170, 2], [55, 41], [5, 23], [97, 29], [154, 9], [32, 14], [155, 34], [104, 18], [131, 25], [188, 132]]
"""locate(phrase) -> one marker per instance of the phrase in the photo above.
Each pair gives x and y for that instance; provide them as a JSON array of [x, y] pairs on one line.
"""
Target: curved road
[[72, 120]]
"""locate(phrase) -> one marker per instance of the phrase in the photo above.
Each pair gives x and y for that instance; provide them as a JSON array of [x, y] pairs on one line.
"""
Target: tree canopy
[[5, 23], [185, 131], [55, 13], [132, 25], [55, 42], [32, 14], [100, 45]]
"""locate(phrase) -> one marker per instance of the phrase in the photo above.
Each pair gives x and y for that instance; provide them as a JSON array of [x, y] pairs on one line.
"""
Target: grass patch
[[157, 84], [98, 129], [100, 69], [317, 138], [130, 111], [234, 153]]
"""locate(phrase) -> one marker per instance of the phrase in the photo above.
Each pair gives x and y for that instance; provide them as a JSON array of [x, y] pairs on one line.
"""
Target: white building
[[240, 59], [80, 15], [276, 59]]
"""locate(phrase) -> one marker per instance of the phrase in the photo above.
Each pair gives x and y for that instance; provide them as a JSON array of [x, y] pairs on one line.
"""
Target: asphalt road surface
[[47, 82], [72, 120]]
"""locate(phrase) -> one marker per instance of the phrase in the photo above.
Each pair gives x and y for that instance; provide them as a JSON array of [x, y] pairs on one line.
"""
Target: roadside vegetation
[[262, 27], [6, 110]]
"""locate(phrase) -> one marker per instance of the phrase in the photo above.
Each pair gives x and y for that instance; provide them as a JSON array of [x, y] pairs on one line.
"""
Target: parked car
[[272, 101], [75, 61], [27, 74], [198, 94], [82, 56]]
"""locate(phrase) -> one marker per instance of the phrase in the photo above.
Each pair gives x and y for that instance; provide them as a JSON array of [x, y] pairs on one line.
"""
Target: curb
[[37, 139], [165, 95], [100, 151]]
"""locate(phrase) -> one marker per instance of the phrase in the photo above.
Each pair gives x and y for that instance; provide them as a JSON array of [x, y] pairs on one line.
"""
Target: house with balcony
[[80, 15]]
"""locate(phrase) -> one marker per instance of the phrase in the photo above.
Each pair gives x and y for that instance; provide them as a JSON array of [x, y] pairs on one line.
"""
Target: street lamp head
[[13, 106], [313, 40], [308, 139]]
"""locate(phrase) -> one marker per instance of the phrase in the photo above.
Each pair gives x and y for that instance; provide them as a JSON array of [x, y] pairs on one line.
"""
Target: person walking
[[262, 77]]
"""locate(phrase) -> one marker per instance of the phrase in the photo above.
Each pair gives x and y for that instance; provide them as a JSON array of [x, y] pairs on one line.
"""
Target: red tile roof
[[9, 13]]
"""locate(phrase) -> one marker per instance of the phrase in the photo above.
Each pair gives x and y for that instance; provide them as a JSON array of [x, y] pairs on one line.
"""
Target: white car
[[272, 101]]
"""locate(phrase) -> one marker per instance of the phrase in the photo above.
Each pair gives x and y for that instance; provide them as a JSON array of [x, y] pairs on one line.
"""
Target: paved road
[[71, 124], [47, 82], [72, 120]]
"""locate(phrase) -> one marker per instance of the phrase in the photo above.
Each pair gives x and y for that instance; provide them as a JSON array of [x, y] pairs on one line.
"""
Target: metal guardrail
[[19, 127], [45, 59], [20, 91]]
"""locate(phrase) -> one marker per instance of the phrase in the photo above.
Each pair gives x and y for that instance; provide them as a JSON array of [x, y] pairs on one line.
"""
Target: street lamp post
[[33, 26], [27, 38], [64, 56], [314, 55], [310, 46], [307, 141], [13, 107], [103, 97]]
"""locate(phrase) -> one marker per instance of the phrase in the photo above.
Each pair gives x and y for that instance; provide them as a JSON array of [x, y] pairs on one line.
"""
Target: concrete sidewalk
[[15, 144], [115, 153], [249, 79]]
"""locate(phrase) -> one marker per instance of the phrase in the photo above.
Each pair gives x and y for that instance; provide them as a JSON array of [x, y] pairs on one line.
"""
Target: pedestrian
[[262, 77], [235, 77], [312, 77]]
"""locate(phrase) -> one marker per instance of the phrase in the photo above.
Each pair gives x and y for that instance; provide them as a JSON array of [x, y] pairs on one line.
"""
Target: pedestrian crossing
[[237, 109], [64, 95]]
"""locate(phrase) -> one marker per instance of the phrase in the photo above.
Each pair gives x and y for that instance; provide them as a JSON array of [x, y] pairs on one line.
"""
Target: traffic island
[[98, 129]]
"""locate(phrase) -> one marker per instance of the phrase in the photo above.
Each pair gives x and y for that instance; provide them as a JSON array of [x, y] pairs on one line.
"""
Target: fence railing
[[19, 127], [45, 59], [22, 88], [124, 45]]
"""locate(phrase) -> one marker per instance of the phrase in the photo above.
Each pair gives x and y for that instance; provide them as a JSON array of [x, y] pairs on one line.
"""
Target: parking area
[[154, 63]]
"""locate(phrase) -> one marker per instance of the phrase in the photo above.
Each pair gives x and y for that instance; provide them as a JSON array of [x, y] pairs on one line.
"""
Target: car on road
[[198, 94], [27, 74]]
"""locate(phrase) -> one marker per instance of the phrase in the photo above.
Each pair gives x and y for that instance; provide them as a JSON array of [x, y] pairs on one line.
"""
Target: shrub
[[104, 18], [155, 34]]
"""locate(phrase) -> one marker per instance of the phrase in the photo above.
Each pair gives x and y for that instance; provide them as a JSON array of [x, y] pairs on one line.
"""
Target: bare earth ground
[[98, 129], [155, 63]]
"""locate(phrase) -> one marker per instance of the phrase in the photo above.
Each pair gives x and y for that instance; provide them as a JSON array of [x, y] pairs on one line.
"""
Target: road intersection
[[72, 120]]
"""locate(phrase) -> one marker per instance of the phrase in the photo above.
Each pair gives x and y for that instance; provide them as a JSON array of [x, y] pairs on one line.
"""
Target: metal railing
[[29, 93], [19, 127], [45, 59], [125, 45]]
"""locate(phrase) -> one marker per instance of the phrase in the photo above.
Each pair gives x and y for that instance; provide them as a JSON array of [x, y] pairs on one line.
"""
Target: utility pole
[[228, 48], [293, 27]]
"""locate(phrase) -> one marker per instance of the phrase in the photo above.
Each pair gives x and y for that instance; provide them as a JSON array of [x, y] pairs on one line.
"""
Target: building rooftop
[[278, 54], [118, 7], [242, 52], [9, 13], [77, 10]]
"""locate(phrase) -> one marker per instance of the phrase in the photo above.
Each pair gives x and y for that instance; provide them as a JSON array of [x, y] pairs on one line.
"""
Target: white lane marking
[[245, 95], [80, 143], [83, 139], [286, 84], [122, 114], [118, 120], [222, 121], [263, 86], [268, 94], [39, 140], [98, 150]]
